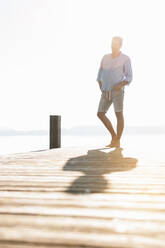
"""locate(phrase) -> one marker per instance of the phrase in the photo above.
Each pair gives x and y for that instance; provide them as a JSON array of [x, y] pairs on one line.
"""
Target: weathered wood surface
[[81, 197]]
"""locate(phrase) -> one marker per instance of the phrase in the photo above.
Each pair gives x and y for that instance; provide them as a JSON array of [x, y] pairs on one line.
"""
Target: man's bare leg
[[108, 125], [120, 125]]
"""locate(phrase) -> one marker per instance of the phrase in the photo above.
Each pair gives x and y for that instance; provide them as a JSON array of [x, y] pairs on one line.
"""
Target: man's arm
[[128, 75], [120, 85], [123, 83], [128, 71], [99, 74]]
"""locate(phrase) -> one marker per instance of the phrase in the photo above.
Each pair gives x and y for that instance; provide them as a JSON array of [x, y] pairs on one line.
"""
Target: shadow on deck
[[94, 165]]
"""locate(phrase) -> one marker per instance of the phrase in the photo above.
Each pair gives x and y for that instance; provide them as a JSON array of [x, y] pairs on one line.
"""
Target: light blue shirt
[[114, 70]]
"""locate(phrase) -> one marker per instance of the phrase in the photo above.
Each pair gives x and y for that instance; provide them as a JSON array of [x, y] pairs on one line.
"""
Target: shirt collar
[[116, 56]]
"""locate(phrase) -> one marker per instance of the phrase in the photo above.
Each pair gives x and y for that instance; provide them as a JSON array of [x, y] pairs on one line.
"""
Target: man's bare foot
[[114, 143]]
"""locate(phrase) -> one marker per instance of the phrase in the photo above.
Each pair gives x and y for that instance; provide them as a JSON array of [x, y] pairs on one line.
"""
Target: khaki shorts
[[117, 98]]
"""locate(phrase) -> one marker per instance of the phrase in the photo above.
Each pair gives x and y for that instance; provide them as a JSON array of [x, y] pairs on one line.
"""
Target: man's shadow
[[94, 165]]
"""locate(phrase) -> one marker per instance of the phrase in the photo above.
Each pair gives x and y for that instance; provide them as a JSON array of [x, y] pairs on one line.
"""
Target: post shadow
[[94, 165]]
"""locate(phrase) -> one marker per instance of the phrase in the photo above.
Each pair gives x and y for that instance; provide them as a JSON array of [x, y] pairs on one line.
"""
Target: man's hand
[[118, 87]]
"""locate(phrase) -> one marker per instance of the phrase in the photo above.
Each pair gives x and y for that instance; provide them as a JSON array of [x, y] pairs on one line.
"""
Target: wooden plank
[[113, 204], [88, 239], [95, 197], [12, 244], [137, 214]]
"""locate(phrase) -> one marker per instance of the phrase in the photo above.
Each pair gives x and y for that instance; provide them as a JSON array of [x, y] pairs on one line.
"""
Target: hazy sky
[[50, 52]]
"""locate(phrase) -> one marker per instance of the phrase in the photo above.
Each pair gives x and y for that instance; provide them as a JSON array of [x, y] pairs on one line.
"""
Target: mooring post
[[55, 131]]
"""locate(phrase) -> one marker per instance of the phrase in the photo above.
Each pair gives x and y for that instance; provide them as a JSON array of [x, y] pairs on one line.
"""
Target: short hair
[[118, 38]]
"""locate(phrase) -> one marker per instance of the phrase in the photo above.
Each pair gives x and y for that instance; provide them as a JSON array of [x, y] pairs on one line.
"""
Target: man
[[114, 73]]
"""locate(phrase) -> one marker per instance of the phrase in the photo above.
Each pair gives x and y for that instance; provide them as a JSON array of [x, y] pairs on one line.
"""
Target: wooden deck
[[81, 197]]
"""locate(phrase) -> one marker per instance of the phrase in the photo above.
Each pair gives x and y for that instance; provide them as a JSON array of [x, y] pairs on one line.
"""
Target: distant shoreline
[[85, 131]]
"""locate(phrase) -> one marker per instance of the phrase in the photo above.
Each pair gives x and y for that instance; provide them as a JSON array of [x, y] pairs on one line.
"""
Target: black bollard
[[55, 131]]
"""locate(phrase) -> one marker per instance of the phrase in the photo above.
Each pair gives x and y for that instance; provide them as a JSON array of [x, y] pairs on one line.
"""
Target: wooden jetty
[[81, 197]]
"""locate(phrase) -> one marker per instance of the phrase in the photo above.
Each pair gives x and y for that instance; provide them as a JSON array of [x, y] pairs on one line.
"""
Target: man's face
[[115, 45]]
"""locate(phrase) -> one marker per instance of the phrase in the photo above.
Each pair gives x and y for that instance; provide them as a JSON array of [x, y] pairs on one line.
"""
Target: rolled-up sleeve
[[128, 71]]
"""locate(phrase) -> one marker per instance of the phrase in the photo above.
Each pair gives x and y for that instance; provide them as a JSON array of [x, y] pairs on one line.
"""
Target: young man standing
[[114, 73]]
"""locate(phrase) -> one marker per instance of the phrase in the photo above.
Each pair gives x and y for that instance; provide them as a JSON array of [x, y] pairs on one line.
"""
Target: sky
[[50, 53]]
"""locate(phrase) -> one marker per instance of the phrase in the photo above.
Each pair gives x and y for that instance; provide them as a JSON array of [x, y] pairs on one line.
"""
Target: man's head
[[116, 44]]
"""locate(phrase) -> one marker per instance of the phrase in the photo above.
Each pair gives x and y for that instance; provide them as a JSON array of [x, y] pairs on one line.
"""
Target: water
[[152, 145], [26, 143]]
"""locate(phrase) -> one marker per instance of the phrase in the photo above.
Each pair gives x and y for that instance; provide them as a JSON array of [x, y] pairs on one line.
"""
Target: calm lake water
[[152, 145], [16, 144]]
